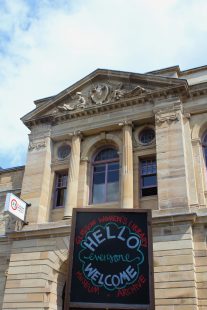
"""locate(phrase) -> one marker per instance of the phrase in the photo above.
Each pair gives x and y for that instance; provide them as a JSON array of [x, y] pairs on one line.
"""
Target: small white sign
[[15, 206]]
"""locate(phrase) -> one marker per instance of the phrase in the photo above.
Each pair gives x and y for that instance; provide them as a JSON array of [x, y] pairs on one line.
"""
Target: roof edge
[[4, 170]]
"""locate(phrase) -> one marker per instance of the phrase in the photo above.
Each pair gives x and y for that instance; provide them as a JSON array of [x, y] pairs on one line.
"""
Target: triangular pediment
[[102, 88]]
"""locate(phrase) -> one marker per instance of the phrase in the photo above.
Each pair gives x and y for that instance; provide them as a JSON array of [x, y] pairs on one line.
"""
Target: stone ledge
[[175, 218], [63, 228], [51, 229]]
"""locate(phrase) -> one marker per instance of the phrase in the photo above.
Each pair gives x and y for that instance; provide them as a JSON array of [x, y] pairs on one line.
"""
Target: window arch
[[204, 144], [105, 179]]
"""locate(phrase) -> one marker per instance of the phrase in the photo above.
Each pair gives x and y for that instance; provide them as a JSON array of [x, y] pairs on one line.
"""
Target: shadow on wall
[[61, 285]]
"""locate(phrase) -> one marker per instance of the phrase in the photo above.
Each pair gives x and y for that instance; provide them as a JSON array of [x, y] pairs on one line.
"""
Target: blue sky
[[47, 45]]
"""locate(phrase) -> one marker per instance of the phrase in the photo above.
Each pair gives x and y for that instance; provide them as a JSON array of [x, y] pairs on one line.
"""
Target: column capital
[[125, 123], [76, 133]]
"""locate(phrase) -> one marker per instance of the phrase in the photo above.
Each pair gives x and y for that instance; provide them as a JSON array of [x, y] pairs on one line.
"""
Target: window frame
[[141, 176], [62, 173], [106, 170]]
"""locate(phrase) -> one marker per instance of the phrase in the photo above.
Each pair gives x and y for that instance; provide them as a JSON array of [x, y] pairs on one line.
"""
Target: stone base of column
[[67, 217]]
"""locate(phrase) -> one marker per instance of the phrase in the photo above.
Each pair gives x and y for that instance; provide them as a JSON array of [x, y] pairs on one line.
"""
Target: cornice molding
[[198, 90]]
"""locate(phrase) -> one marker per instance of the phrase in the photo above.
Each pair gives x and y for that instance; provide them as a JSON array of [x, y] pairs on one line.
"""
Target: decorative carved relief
[[101, 93], [161, 118], [78, 101], [36, 145]]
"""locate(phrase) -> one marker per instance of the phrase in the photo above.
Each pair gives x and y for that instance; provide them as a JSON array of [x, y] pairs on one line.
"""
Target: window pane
[[148, 167], [98, 193], [144, 169], [62, 180], [205, 139], [147, 135], [99, 178], [205, 154], [99, 168], [113, 176], [149, 191], [61, 196], [148, 177], [60, 189], [106, 176], [106, 154], [150, 180], [113, 191], [113, 166]]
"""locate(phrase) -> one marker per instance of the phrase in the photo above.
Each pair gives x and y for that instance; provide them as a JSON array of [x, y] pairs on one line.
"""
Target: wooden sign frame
[[71, 289]]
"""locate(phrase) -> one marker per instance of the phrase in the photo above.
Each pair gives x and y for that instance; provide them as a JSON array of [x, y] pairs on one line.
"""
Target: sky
[[47, 45]]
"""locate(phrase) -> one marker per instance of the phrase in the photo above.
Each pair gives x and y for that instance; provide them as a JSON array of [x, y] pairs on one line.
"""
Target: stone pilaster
[[36, 181], [199, 170], [172, 174], [73, 175], [189, 160], [127, 167]]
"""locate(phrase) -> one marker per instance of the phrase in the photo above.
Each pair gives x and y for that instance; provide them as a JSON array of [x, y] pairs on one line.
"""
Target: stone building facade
[[113, 139]]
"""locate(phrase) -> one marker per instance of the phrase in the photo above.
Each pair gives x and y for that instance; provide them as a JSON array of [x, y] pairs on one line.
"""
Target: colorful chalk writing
[[125, 260], [111, 259]]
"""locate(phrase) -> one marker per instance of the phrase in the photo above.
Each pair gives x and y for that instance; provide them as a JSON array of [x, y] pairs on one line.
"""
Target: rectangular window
[[148, 175], [60, 189]]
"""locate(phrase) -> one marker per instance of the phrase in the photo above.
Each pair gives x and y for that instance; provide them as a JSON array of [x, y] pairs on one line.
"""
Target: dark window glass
[[148, 171], [205, 155], [105, 187], [64, 151], [106, 154], [146, 135], [60, 190], [204, 143], [205, 140]]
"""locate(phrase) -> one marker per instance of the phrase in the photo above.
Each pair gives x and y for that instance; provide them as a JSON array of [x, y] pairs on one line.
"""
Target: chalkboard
[[110, 260]]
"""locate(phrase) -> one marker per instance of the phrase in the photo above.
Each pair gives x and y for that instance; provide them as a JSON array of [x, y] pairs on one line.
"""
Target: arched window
[[105, 182], [204, 143]]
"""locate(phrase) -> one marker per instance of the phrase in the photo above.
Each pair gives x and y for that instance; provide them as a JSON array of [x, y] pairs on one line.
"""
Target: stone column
[[83, 183], [172, 171], [127, 167], [73, 175]]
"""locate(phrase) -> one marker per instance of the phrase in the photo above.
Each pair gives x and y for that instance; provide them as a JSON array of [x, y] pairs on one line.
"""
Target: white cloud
[[47, 45]]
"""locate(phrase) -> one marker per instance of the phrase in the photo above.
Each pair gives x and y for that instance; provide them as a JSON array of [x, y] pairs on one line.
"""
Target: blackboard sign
[[110, 260]]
